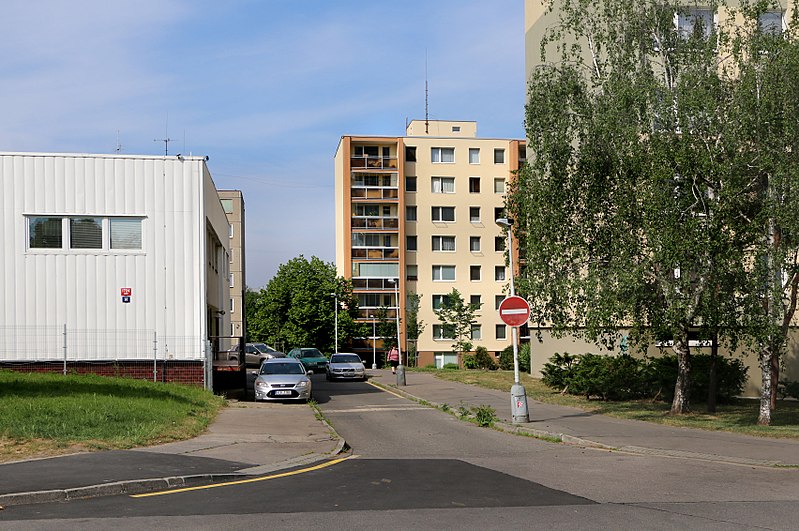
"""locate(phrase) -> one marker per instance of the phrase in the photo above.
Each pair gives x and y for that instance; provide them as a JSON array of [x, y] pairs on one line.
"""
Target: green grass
[[52, 413], [739, 416]]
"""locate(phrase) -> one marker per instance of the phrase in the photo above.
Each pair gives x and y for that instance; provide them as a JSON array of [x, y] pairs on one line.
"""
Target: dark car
[[311, 358]]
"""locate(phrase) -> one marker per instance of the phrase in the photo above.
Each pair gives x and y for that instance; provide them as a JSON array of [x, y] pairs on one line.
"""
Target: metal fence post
[[155, 356], [65, 349]]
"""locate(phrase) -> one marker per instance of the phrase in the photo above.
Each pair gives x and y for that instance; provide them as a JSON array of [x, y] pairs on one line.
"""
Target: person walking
[[393, 359]]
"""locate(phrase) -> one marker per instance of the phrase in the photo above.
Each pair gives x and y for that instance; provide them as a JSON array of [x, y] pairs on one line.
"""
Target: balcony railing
[[375, 254], [375, 223], [372, 284], [366, 313], [374, 163]]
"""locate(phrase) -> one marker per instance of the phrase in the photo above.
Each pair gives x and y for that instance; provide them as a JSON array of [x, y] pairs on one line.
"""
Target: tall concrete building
[[420, 210], [233, 204]]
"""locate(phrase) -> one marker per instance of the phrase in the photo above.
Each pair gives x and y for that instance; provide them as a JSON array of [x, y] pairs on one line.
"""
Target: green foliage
[[414, 326], [485, 416], [483, 359], [626, 378], [458, 316], [297, 307], [789, 388], [506, 358], [469, 361], [450, 366]]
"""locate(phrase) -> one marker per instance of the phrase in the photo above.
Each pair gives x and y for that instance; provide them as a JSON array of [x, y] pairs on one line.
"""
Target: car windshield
[[311, 353], [282, 368], [345, 358]]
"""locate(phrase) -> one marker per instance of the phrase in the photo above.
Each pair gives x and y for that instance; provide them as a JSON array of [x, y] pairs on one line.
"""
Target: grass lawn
[[739, 416], [49, 414]]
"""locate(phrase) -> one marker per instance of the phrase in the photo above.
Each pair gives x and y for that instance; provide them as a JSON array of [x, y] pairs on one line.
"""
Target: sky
[[264, 88]]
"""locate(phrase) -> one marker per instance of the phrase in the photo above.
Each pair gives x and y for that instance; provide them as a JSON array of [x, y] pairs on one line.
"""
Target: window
[[231, 280], [499, 185], [442, 332], [499, 213], [442, 154], [474, 214], [501, 332], [499, 156], [476, 332], [474, 155], [474, 185], [367, 210], [444, 243], [86, 233], [410, 184], [410, 213], [230, 231], [771, 22], [474, 273], [499, 273], [474, 244], [442, 185], [443, 214], [499, 243], [44, 233], [474, 301], [443, 272], [410, 243], [361, 239], [410, 154], [456, 129], [232, 306], [227, 205], [498, 300], [439, 301], [412, 272], [695, 21], [126, 234]]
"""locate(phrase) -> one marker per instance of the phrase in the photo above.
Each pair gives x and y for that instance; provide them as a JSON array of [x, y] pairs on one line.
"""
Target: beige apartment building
[[421, 209], [233, 204]]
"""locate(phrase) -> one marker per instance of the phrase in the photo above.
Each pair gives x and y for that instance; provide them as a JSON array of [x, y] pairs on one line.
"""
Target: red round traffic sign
[[514, 311]]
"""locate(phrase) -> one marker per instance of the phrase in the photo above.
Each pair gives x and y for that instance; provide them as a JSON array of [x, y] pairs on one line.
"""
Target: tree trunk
[[764, 416], [682, 388], [775, 377], [712, 384]]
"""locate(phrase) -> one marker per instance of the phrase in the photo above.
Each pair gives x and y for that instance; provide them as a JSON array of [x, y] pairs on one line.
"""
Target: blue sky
[[264, 88]]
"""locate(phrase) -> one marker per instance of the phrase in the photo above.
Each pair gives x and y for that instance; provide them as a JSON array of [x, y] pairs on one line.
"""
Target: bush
[[483, 359], [451, 366], [506, 358], [469, 361], [788, 388], [625, 378]]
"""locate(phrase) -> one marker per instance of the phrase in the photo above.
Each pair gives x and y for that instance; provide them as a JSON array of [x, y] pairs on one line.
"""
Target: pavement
[[254, 439]]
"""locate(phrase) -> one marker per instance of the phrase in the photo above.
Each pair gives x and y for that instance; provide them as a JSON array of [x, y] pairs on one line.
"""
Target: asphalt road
[[417, 468]]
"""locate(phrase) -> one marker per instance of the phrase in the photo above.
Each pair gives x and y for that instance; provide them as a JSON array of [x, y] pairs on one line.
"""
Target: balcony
[[366, 313], [375, 254], [373, 163], [374, 193], [372, 284], [375, 223]]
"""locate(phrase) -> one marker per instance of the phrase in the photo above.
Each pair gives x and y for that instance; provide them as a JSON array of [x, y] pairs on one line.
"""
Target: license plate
[[281, 393]]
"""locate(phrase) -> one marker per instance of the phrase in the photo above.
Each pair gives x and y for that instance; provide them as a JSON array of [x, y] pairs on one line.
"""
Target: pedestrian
[[393, 359]]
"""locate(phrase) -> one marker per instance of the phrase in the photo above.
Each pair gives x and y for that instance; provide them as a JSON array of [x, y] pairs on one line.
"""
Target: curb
[[573, 440], [139, 486]]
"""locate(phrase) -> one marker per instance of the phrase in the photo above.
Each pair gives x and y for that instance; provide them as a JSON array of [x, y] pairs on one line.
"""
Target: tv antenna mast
[[166, 140], [426, 114]]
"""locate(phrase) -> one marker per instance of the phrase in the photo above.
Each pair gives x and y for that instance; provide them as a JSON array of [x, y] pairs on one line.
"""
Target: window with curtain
[[125, 233], [86, 233], [442, 185]]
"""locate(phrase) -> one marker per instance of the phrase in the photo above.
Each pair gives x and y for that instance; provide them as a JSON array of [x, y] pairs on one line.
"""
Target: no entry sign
[[514, 311]]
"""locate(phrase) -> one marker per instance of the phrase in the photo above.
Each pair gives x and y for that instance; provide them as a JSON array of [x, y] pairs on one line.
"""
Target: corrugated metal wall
[[81, 288]]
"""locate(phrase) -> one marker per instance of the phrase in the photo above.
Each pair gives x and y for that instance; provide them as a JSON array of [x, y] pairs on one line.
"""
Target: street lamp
[[400, 367], [335, 295], [518, 396], [374, 342]]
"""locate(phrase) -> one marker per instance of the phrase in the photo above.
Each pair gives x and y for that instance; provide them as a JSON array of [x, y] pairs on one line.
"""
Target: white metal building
[[110, 257]]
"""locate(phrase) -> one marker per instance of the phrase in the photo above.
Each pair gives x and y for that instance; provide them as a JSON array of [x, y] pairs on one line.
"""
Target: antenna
[[166, 140], [119, 146], [426, 115]]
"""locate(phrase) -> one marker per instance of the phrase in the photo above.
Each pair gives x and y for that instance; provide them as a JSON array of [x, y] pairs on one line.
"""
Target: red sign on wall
[[126, 292]]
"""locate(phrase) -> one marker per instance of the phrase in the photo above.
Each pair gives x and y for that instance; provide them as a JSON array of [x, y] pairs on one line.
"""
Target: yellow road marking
[[386, 390], [243, 481]]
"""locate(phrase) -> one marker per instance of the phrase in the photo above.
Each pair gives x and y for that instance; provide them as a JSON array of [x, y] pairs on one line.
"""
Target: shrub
[[506, 358], [483, 359], [485, 416], [469, 361], [450, 366], [788, 388], [558, 370]]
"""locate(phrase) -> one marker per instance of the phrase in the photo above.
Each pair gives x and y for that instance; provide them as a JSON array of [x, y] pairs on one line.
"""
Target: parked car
[[313, 360], [345, 366], [258, 352], [282, 379]]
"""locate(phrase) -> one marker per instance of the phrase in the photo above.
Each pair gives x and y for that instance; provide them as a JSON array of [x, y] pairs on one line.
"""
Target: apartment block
[[233, 204], [416, 214]]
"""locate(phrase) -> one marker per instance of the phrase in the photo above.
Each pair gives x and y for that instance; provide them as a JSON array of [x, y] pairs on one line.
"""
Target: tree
[[414, 325], [297, 308], [634, 208], [458, 317]]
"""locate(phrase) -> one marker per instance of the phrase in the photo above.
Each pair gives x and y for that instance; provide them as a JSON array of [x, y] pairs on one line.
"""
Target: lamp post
[[374, 342], [518, 396], [335, 296], [400, 367]]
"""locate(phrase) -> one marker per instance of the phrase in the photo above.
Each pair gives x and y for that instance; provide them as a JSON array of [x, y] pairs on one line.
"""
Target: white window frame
[[438, 154], [437, 185], [66, 236], [472, 240], [476, 333], [476, 158], [437, 214], [499, 189], [504, 334], [499, 151], [438, 271], [479, 273], [504, 274], [439, 333], [693, 12], [438, 243], [479, 216]]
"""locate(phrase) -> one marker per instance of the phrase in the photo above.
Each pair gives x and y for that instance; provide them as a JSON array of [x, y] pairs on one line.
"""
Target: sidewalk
[[246, 439], [575, 426]]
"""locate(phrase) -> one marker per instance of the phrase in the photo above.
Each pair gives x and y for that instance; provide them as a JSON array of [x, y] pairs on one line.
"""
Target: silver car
[[345, 365], [282, 379]]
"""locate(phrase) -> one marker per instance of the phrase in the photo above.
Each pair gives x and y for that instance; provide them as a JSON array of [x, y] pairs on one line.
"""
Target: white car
[[282, 379], [346, 366]]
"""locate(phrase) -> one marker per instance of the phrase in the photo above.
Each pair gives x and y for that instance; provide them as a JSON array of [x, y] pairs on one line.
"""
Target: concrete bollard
[[400, 374], [518, 406]]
